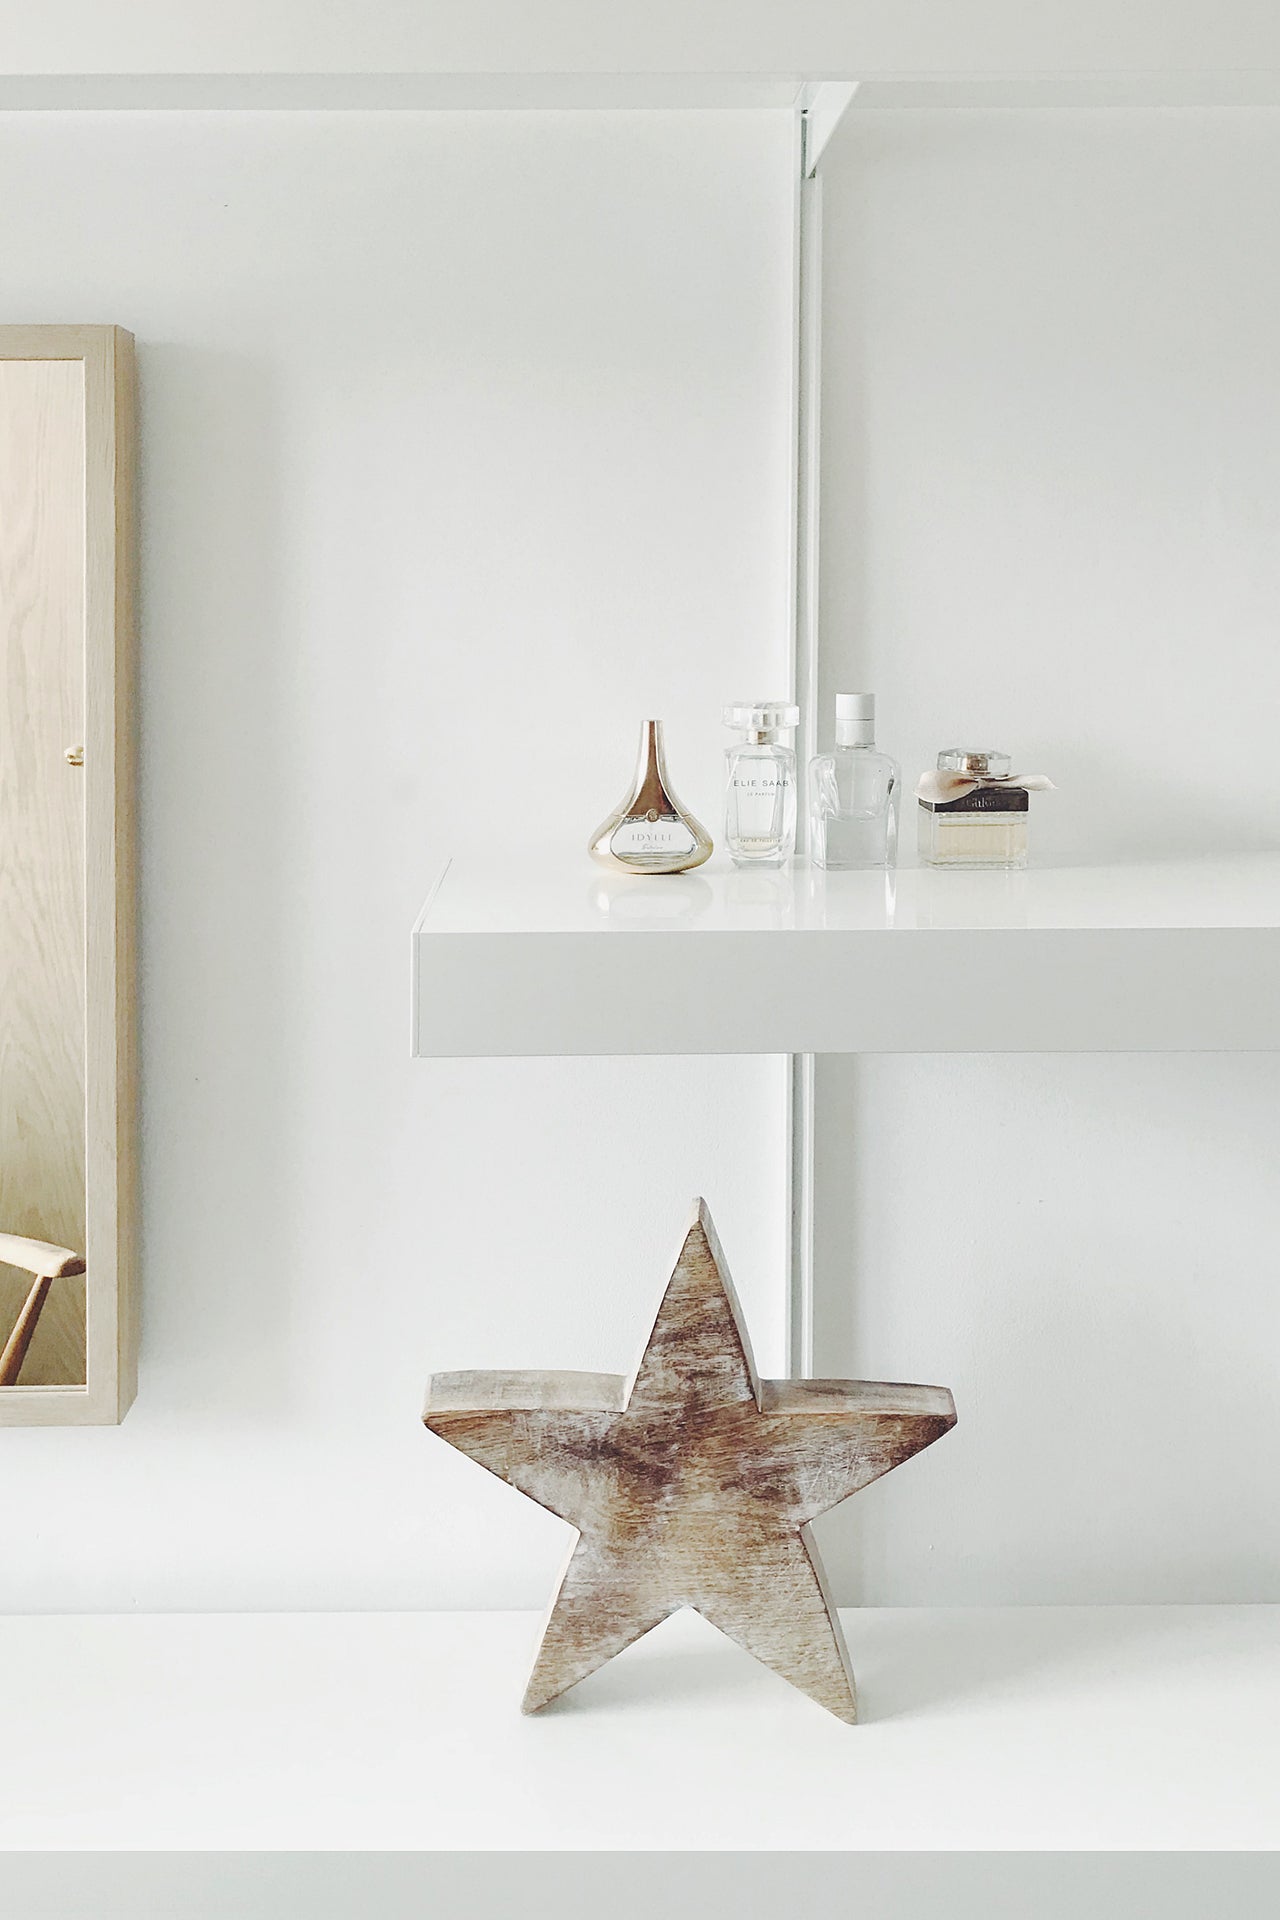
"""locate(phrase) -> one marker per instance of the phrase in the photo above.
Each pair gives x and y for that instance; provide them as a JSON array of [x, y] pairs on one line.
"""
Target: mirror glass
[[42, 937]]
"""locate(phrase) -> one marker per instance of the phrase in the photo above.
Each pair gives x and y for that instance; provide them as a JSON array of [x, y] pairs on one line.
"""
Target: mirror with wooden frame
[[67, 1148]]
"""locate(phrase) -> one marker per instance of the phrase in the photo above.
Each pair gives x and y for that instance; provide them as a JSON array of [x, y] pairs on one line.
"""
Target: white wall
[[1052, 473], [465, 444], [455, 422]]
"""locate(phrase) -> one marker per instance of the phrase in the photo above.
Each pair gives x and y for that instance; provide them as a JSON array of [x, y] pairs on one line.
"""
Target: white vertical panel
[[1052, 482]]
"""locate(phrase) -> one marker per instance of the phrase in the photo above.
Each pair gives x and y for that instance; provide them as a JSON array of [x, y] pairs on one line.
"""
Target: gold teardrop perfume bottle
[[651, 832]]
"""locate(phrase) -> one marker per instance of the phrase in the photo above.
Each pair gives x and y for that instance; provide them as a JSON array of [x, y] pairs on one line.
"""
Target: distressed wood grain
[[693, 1485]]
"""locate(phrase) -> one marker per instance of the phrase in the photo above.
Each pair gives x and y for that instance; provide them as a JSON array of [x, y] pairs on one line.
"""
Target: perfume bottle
[[760, 784], [650, 832], [853, 793], [973, 812]]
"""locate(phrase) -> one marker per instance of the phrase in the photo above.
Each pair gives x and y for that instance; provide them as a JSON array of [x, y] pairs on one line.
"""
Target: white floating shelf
[[554, 957], [1020, 1728]]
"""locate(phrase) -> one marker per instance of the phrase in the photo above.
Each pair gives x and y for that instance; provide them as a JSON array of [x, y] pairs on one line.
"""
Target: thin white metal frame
[[819, 111]]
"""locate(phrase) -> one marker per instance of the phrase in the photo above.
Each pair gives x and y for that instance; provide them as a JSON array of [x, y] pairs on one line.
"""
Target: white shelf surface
[[1050, 1729], [553, 956]]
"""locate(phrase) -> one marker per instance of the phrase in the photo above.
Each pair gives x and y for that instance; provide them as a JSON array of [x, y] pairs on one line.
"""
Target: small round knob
[[74, 756]]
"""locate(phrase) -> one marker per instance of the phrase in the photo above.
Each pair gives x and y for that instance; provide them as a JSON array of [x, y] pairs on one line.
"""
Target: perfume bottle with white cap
[[760, 784], [853, 793]]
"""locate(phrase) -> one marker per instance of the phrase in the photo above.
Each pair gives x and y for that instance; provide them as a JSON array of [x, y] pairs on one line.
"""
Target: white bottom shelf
[[1014, 1729]]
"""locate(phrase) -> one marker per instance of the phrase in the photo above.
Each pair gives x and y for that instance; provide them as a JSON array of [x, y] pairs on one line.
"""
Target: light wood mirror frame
[[105, 358]]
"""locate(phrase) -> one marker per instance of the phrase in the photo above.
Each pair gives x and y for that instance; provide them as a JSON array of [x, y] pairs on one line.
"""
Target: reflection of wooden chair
[[47, 1264]]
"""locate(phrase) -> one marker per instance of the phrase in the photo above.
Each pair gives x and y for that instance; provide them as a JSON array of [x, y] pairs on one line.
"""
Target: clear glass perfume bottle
[[853, 793], [760, 784], [650, 832], [985, 823]]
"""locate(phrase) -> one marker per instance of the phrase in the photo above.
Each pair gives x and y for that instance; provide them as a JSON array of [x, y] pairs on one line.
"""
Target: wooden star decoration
[[692, 1485]]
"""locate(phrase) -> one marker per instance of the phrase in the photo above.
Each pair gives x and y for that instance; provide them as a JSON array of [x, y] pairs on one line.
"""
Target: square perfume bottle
[[853, 794], [973, 812], [760, 783]]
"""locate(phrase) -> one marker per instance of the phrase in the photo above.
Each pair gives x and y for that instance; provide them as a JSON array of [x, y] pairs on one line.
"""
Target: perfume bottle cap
[[966, 760], [763, 716], [855, 719]]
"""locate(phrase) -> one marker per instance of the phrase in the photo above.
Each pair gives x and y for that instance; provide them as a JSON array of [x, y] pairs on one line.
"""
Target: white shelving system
[[1062, 1742], [1146, 1729]]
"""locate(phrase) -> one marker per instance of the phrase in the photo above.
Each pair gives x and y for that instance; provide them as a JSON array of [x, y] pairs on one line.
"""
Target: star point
[[691, 1485]]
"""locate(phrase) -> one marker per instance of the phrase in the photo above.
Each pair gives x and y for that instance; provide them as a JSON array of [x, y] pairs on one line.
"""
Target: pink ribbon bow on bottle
[[938, 787]]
